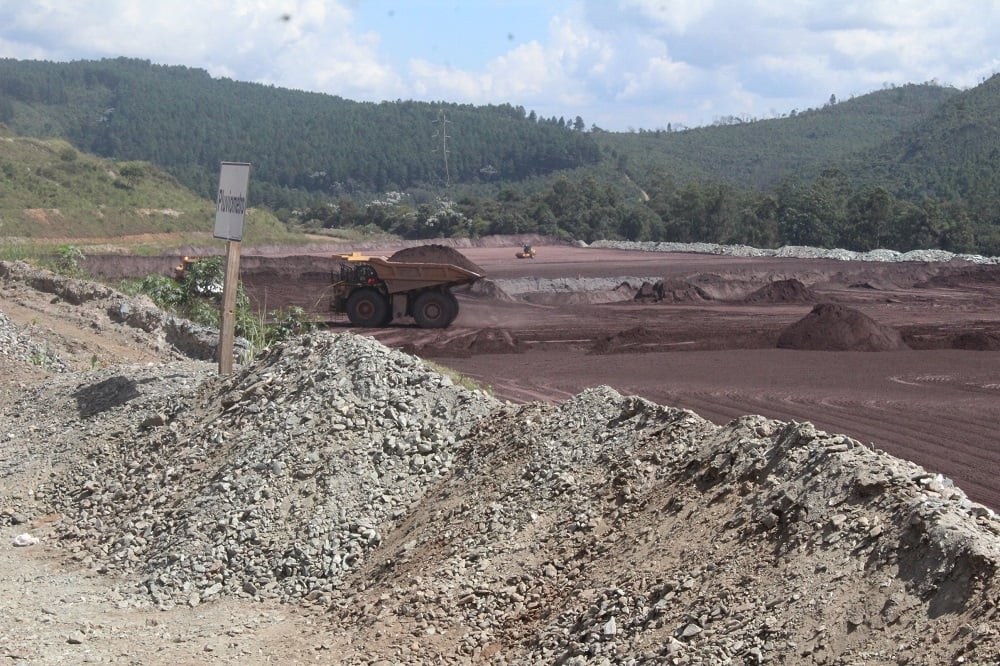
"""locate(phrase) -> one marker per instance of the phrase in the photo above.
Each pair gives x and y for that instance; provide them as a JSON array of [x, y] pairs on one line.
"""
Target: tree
[[869, 219], [131, 174]]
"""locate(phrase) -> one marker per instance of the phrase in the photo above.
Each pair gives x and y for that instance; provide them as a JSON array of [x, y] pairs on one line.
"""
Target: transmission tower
[[442, 133]]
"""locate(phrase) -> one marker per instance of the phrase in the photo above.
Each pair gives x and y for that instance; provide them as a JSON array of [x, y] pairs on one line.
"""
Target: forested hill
[[186, 121], [760, 154], [953, 154], [913, 166]]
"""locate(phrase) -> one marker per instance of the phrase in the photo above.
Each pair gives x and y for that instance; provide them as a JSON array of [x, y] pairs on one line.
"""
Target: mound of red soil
[[648, 292], [783, 291], [632, 339], [436, 254], [487, 288], [832, 327], [672, 290]]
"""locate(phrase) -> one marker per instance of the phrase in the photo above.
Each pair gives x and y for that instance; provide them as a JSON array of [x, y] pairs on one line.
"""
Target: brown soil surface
[[832, 327], [711, 343], [937, 403], [716, 352]]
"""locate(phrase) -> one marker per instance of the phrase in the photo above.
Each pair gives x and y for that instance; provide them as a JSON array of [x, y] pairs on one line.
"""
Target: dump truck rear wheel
[[433, 309], [369, 308], [454, 307]]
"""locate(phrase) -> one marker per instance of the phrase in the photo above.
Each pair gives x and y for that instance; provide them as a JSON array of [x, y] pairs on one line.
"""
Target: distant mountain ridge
[[762, 153], [187, 122], [906, 167]]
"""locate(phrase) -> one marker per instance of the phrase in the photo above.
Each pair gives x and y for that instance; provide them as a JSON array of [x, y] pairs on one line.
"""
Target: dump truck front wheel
[[369, 308], [433, 309]]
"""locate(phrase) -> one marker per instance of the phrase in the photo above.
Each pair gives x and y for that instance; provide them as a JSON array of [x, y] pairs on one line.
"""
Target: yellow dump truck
[[372, 291]]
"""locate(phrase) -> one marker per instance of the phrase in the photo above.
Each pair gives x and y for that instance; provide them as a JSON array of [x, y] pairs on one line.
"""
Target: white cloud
[[617, 63], [676, 16]]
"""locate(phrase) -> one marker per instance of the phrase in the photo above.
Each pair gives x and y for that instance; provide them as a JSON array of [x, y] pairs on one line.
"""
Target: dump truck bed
[[409, 276]]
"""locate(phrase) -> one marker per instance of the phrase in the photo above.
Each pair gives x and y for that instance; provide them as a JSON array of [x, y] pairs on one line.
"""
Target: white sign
[[231, 202]]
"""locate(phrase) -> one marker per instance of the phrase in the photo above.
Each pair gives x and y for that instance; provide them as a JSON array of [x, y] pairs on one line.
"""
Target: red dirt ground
[[712, 346]]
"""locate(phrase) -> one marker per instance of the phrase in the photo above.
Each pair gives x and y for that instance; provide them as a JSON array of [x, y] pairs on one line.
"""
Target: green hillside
[[299, 142], [914, 166], [952, 154], [760, 154], [50, 190]]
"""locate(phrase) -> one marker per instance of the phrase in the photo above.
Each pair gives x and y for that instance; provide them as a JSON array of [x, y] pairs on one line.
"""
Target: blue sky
[[618, 64]]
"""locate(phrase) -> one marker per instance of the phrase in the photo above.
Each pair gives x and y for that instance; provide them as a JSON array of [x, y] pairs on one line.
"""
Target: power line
[[443, 135]]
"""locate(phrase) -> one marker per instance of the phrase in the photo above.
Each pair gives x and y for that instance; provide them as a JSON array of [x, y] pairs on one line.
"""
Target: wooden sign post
[[230, 210]]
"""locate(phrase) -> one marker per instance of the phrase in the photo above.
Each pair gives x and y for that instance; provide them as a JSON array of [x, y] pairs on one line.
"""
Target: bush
[[68, 258]]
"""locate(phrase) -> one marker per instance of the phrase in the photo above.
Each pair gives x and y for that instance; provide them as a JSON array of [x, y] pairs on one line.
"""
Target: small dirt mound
[[672, 290], [487, 288], [650, 292], [782, 291], [632, 339], [436, 254], [832, 327], [473, 343], [494, 341], [977, 341]]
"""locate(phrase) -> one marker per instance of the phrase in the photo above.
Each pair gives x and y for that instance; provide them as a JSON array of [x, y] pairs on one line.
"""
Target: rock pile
[[438, 525], [160, 331], [272, 482], [798, 251], [611, 530], [20, 347]]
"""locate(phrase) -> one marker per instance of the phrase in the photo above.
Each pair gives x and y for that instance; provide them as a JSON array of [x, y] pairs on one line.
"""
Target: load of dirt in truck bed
[[436, 254], [832, 327], [782, 291]]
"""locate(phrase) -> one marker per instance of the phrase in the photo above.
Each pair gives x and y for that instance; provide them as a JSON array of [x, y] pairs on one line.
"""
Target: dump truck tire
[[454, 307], [368, 308], [433, 309]]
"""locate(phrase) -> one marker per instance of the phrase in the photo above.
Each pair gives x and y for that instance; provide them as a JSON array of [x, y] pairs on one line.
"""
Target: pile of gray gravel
[[605, 529], [437, 524], [16, 345], [797, 251]]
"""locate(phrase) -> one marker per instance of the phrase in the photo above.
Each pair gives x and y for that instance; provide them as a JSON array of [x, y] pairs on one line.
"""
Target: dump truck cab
[[373, 291]]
